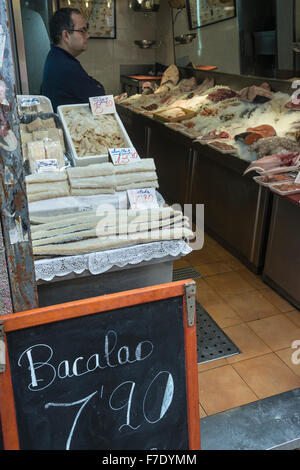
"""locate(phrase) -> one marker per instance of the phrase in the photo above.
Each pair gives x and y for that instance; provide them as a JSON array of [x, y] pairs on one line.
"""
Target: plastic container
[[88, 159], [276, 188], [33, 104], [291, 176], [214, 145], [29, 118], [162, 117]]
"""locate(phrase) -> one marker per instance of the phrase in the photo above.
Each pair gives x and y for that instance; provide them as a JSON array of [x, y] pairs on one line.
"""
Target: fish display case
[[236, 209]]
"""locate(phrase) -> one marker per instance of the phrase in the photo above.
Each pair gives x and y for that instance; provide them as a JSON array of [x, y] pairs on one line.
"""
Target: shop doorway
[[30, 20]]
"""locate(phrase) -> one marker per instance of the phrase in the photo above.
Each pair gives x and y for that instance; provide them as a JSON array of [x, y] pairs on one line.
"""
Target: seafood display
[[73, 234], [255, 123], [286, 188], [102, 178], [92, 135], [275, 163], [269, 179]]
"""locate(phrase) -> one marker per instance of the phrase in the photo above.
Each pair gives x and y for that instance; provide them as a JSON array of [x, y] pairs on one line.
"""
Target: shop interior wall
[[104, 57], [285, 36], [215, 44], [297, 31]]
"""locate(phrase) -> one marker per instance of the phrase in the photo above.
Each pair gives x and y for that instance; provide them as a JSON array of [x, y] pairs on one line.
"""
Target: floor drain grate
[[212, 342], [185, 273]]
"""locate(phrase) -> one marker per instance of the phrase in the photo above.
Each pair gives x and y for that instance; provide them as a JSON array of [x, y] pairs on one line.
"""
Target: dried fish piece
[[93, 135]]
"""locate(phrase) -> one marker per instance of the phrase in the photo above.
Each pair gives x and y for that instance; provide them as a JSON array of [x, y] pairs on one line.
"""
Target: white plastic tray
[[274, 187], [42, 104], [288, 178], [232, 151], [88, 159]]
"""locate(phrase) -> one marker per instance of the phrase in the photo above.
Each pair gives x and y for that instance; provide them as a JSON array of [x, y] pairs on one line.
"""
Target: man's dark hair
[[61, 20]]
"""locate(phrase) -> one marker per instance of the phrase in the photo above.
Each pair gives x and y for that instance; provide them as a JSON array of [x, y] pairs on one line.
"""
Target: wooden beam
[[13, 199]]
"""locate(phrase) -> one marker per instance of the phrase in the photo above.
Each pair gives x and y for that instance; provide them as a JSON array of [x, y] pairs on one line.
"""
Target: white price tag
[[27, 101], [142, 198], [2, 45], [2, 354], [102, 104], [46, 165], [120, 156]]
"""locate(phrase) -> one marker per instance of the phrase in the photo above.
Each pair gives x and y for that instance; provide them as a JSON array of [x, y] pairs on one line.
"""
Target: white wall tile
[[215, 44]]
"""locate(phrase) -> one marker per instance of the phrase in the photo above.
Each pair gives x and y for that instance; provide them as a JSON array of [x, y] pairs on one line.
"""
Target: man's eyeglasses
[[82, 30]]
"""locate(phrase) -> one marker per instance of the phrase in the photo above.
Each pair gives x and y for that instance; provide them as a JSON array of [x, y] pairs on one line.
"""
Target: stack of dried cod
[[47, 185], [102, 178], [92, 179], [71, 234], [41, 139]]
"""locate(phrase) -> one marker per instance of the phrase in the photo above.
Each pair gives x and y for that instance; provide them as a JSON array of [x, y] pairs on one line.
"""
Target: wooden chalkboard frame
[[69, 310]]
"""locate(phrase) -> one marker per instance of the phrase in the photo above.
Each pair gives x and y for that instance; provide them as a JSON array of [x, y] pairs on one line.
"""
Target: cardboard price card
[[2, 45], [49, 164], [102, 104], [120, 156], [142, 198]]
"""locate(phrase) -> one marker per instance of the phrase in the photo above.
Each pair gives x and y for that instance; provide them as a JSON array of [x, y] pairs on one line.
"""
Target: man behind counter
[[64, 79]]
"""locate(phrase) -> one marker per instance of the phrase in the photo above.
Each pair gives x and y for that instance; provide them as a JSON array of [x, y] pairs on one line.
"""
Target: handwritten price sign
[[49, 164], [120, 156], [102, 104], [142, 198]]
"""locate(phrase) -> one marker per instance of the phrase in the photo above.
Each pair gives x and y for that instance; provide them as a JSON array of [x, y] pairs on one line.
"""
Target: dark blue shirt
[[65, 81]]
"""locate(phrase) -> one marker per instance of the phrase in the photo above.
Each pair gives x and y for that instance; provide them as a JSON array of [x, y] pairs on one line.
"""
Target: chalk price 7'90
[[117, 404]]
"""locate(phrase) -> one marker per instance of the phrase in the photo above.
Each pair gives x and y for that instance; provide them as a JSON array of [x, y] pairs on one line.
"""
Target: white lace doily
[[101, 261]]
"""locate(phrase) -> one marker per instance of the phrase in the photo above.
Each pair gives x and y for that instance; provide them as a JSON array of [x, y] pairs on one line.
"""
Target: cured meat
[[221, 94], [206, 111], [276, 178], [150, 107], [255, 94], [189, 124], [274, 163], [214, 135], [223, 147], [287, 187], [120, 97], [259, 132], [252, 137], [293, 106], [265, 130]]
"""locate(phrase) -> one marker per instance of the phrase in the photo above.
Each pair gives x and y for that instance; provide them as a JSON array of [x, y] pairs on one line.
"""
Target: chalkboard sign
[[115, 372]]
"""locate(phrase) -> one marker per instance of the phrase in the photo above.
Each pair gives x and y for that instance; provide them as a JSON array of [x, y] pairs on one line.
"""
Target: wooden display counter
[[281, 270]]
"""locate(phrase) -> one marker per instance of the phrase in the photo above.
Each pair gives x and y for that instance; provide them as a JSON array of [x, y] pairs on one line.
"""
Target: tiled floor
[[262, 324]]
